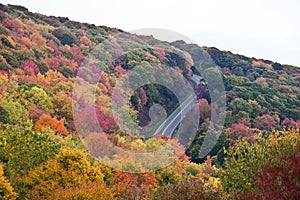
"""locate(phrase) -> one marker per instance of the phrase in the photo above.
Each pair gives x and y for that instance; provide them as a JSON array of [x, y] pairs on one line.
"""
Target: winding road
[[168, 127]]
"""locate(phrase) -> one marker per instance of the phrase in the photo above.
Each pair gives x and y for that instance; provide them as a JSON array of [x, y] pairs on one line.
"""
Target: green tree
[[38, 97], [13, 113], [238, 105], [22, 150]]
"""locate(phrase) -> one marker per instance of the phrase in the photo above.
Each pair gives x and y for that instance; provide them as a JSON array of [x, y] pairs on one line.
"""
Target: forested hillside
[[43, 156]]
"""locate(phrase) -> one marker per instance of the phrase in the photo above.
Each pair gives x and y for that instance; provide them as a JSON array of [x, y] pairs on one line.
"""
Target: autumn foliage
[[6, 190], [55, 125], [43, 117], [267, 169], [280, 180]]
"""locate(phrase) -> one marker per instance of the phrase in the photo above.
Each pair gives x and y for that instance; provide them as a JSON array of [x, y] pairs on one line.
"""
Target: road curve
[[168, 127]]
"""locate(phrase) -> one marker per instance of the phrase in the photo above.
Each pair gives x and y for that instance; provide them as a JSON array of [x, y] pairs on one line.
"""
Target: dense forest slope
[[42, 156]]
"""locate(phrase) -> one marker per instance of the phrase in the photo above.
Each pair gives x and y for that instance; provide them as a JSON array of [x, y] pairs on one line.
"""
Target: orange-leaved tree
[[54, 124]]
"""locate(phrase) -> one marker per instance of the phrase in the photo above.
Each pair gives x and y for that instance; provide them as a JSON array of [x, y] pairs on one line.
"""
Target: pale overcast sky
[[268, 29]]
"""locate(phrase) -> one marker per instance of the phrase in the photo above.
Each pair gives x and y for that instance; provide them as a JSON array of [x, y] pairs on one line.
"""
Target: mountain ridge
[[65, 19], [57, 87]]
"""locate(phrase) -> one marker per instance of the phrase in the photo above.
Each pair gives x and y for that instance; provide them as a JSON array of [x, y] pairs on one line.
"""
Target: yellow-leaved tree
[[69, 176], [6, 190]]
